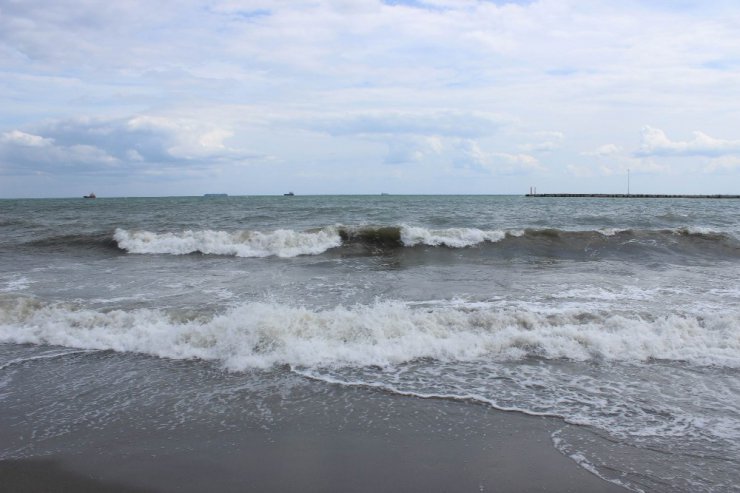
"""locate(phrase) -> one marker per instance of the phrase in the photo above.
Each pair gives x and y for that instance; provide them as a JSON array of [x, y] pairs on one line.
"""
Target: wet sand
[[331, 439]]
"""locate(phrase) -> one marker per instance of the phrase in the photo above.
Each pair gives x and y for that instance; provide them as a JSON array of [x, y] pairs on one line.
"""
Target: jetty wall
[[632, 196]]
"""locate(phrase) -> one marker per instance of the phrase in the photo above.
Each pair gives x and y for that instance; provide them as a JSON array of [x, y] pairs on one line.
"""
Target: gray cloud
[[140, 144]]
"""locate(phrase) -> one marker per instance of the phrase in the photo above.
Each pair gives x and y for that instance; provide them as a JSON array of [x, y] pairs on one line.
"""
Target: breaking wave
[[532, 242], [261, 335], [373, 240], [289, 243], [281, 243]]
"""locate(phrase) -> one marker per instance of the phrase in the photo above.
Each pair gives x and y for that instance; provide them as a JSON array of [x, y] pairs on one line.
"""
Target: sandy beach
[[329, 439]]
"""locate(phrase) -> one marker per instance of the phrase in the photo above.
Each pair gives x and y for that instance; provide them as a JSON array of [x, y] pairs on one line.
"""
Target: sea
[[618, 319]]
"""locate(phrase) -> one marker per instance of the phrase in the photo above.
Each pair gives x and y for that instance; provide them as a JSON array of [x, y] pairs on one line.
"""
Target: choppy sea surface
[[619, 318]]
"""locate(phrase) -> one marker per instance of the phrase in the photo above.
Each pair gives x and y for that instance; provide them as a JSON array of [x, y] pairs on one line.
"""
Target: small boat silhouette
[[289, 194], [91, 196]]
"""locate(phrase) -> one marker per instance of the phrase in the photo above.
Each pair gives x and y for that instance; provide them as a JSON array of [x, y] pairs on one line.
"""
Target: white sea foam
[[280, 243], [451, 237], [49, 355], [15, 283], [611, 231], [580, 459], [699, 230], [623, 293], [260, 335]]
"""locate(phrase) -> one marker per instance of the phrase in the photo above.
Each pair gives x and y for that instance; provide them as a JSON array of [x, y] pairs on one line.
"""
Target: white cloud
[[723, 164], [16, 137], [604, 150], [472, 156], [580, 170], [550, 141], [186, 138], [395, 122], [409, 136], [656, 143], [409, 149], [616, 163]]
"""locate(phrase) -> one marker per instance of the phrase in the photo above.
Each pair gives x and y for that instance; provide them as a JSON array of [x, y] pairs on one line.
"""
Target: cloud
[[23, 139], [580, 170], [408, 149], [422, 123], [550, 142], [611, 159], [22, 152], [604, 150], [179, 139], [316, 83], [656, 143], [445, 154], [618, 167], [143, 143], [722, 164], [410, 136], [471, 156]]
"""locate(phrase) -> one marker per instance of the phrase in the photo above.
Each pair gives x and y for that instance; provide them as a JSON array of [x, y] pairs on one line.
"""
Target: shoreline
[[326, 438]]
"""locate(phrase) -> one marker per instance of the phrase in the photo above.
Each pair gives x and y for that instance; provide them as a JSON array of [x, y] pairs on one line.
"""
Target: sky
[[256, 97]]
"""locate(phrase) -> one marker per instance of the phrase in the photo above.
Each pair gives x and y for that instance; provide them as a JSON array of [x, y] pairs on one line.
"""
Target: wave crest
[[452, 237], [280, 243]]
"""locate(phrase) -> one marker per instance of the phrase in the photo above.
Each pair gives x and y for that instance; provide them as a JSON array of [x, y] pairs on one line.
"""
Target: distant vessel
[[91, 196], [215, 194], [289, 194]]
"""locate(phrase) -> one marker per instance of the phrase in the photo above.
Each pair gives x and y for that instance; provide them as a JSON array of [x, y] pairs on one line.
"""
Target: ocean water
[[617, 318]]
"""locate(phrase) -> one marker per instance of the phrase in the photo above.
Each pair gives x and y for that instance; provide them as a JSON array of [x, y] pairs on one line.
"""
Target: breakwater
[[631, 196]]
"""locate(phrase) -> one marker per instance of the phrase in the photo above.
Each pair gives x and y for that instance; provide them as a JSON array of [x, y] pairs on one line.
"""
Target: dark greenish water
[[620, 318]]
